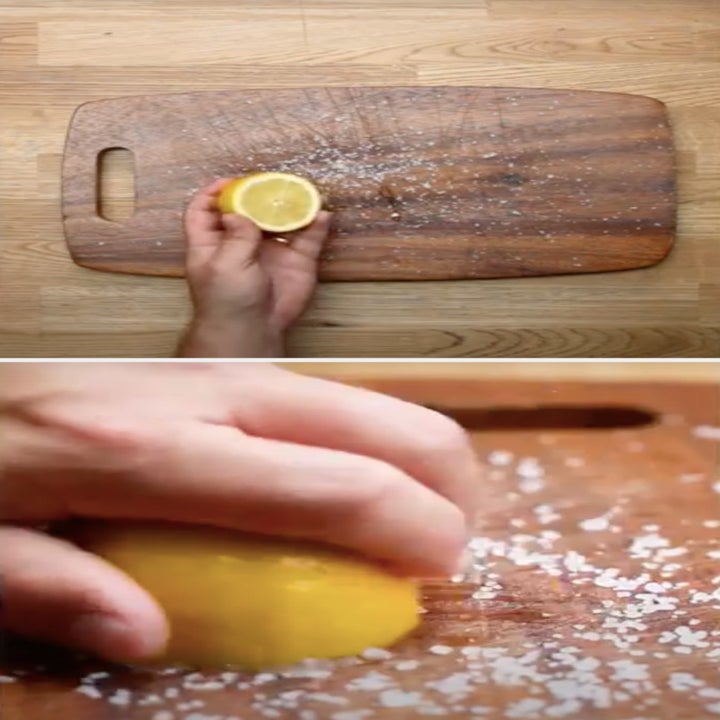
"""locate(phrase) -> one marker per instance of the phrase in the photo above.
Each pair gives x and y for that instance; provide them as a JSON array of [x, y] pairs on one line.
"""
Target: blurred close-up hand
[[249, 447]]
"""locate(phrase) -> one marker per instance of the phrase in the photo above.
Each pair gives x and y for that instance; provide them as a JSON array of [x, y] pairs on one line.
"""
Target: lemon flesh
[[252, 602], [275, 202]]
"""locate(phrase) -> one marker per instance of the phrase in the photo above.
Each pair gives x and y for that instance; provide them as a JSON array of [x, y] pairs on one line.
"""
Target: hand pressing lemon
[[276, 202], [256, 602]]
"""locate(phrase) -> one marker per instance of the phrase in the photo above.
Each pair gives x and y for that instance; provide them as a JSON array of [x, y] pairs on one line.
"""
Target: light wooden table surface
[[55, 55]]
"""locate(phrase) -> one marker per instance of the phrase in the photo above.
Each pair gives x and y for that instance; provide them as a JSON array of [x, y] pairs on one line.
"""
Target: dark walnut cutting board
[[426, 182], [597, 555]]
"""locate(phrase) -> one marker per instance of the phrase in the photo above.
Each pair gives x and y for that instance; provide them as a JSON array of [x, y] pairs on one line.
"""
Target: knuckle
[[442, 437], [380, 483]]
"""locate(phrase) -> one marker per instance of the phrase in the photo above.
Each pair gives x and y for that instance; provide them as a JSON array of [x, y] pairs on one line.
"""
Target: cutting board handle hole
[[115, 193], [550, 417]]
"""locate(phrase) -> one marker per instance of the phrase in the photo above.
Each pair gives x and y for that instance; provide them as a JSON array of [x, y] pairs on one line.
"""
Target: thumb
[[241, 242], [54, 591]]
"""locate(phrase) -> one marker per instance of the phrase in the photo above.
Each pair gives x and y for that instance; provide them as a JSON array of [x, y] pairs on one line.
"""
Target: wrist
[[214, 336]]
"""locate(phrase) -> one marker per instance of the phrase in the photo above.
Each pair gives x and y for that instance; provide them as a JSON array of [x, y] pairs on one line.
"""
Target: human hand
[[247, 290], [246, 446]]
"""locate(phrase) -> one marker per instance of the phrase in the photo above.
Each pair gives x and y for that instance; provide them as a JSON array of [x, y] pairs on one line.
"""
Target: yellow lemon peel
[[257, 602]]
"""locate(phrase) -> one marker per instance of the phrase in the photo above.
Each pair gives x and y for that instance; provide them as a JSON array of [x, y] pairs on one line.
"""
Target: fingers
[[202, 212], [216, 475], [54, 591], [241, 242], [204, 199], [302, 249], [309, 241], [424, 444], [203, 226]]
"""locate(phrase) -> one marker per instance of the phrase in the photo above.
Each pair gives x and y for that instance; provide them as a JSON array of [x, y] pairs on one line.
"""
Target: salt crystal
[[206, 685], [455, 684], [191, 705], [574, 561], [262, 678], [525, 708], [326, 698], [399, 698], [499, 458], [403, 665], [595, 524], [373, 653], [92, 677], [440, 650], [531, 485], [687, 478], [530, 468], [120, 697], [351, 715], [707, 432], [371, 681]]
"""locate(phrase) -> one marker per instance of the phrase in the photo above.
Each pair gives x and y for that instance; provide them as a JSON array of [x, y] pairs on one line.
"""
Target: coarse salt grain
[[499, 458], [351, 715], [596, 524], [120, 697], [404, 665], [399, 698], [373, 653], [440, 650], [707, 432]]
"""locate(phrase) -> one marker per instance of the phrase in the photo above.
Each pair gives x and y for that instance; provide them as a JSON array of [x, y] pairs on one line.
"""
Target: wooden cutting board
[[426, 182], [598, 551]]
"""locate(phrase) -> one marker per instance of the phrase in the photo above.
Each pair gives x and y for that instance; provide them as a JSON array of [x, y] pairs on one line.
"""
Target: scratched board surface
[[425, 182], [595, 589]]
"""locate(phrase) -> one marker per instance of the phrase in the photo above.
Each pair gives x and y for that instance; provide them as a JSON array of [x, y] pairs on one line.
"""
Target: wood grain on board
[[425, 183], [55, 56], [569, 597]]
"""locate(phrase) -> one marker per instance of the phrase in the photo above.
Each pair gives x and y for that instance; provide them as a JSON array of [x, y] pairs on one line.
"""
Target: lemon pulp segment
[[255, 602], [275, 202]]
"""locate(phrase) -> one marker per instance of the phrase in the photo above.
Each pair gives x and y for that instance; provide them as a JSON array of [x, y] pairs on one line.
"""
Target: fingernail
[[114, 638]]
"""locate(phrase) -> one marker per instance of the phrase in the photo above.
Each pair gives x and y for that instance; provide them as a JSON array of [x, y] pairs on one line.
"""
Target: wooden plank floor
[[55, 55]]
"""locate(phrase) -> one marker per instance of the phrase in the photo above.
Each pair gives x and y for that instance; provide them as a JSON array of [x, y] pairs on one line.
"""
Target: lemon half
[[257, 602], [275, 202]]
